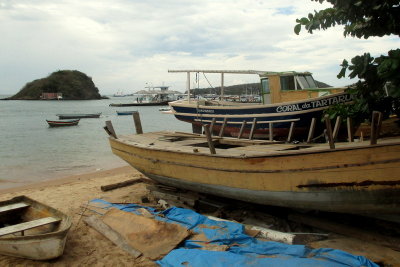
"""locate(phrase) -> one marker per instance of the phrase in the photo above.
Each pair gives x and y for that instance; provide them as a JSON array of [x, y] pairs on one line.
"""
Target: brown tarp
[[151, 237]]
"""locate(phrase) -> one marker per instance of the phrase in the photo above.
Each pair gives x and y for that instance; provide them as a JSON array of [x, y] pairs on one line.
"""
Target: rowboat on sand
[[32, 230], [353, 177], [61, 123]]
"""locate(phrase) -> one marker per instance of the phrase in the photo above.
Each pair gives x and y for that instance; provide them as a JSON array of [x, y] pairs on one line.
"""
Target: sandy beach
[[84, 247]]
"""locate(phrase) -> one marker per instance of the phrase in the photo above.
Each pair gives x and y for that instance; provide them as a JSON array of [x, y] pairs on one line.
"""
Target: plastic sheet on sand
[[241, 249]]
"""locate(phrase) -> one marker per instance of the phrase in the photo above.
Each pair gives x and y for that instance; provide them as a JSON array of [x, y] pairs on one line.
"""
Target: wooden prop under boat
[[32, 230], [78, 116], [354, 177], [61, 123]]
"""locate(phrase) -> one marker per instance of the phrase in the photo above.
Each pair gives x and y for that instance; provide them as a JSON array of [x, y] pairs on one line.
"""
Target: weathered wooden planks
[[15, 206], [27, 225]]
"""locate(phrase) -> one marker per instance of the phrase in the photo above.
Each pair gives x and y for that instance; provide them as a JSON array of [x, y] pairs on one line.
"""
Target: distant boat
[[78, 116], [160, 103], [62, 123], [31, 229], [120, 94], [125, 112], [164, 109]]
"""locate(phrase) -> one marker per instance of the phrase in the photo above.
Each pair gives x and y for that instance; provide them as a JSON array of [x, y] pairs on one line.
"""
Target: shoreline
[[68, 179]]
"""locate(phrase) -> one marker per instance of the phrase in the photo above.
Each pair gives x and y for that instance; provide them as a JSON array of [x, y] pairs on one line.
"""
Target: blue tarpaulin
[[242, 250]]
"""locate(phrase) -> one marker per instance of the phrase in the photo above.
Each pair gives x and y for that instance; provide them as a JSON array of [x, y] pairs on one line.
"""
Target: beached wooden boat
[[125, 112], [287, 98], [354, 177], [32, 230], [61, 123], [78, 116]]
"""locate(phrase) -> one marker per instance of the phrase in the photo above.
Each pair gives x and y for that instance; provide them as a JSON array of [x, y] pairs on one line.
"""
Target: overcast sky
[[125, 45]]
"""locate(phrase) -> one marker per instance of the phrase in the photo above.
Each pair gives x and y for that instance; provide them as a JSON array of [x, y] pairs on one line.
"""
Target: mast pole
[[222, 85], [188, 85]]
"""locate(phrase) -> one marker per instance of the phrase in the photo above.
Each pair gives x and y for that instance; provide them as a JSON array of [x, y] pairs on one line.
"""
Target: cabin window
[[266, 91], [287, 83], [306, 81], [265, 86]]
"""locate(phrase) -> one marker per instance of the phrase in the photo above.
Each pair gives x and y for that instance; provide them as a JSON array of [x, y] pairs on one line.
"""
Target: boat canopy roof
[[258, 72]]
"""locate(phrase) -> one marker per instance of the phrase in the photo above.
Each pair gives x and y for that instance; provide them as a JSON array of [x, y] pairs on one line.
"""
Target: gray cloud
[[123, 44]]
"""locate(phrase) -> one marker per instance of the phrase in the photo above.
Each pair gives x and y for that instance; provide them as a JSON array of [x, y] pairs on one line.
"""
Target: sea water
[[31, 151]]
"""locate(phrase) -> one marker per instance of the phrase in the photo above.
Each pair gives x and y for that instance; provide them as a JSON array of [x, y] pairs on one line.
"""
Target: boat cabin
[[279, 87]]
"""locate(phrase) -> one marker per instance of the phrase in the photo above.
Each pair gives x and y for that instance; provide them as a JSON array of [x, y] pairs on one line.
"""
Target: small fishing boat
[[32, 230], [288, 98], [125, 112], [62, 123], [143, 104], [165, 109], [353, 177], [78, 116]]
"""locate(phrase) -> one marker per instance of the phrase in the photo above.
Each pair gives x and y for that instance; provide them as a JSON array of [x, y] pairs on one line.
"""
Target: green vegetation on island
[[72, 84]]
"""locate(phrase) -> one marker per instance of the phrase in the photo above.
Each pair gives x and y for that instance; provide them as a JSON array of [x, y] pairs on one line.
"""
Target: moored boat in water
[[127, 112], [32, 230], [287, 97], [62, 123], [354, 177], [78, 116], [140, 104]]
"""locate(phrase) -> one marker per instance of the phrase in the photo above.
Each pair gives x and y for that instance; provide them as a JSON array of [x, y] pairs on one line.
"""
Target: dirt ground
[[86, 247]]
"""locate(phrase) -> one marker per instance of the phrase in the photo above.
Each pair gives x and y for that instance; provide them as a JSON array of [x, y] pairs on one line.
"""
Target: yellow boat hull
[[360, 179]]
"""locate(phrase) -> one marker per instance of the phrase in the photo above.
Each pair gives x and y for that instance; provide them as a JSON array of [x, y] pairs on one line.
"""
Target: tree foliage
[[379, 84]]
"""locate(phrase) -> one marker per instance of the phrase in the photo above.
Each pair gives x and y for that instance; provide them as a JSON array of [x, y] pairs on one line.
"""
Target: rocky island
[[62, 84]]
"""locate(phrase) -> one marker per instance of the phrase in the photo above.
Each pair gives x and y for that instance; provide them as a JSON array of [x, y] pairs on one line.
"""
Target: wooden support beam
[[242, 129], [337, 127], [253, 127], [350, 134], [138, 123], [209, 139], [379, 124], [212, 125], [290, 134], [375, 126], [271, 131], [311, 130], [329, 131], [221, 132], [110, 129], [109, 187]]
